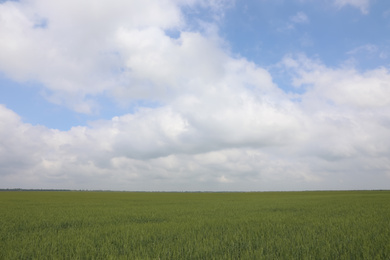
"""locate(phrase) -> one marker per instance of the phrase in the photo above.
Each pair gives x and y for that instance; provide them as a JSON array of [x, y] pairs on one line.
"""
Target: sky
[[195, 95]]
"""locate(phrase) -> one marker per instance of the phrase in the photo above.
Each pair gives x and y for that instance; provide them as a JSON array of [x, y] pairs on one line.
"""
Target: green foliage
[[120, 225]]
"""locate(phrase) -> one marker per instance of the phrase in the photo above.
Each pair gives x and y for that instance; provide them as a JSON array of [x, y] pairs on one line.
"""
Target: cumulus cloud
[[219, 123], [348, 110], [122, 153], [80, 50], [247, 136], [344, 86]]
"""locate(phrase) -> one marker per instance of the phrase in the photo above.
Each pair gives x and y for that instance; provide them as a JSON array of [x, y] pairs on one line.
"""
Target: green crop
[[125, 225]]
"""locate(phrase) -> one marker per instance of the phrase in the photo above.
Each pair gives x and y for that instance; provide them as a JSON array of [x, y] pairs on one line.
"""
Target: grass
[[121, 225]]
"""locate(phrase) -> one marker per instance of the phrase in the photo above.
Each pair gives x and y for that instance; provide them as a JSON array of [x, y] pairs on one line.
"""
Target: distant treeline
[[18, 189], [84, 190]]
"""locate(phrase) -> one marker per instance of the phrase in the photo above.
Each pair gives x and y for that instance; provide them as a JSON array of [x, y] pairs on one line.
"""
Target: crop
[[136, 225]]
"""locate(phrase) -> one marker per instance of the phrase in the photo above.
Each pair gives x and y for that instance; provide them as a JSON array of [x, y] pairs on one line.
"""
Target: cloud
[[347, 109], [154, 60], [244, 134], [363, 5], [218, 121], [370, 51], [300, 17], [122, 153], [342, 87], [369, 48], [78, 51], [20, 148]]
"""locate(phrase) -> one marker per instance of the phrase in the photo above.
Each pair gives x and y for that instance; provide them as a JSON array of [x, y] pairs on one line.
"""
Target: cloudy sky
[[188, 95]]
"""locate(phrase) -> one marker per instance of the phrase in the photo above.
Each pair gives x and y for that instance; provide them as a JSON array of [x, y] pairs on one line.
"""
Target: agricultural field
[[132, 225]]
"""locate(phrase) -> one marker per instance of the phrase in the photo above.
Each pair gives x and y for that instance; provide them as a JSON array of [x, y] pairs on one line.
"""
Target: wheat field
[[137, 225]]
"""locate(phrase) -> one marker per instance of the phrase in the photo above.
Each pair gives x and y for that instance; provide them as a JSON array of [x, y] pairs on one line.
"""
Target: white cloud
[[363, 5], [344, 86], [243, 133], [348, 110], [76, 50], [369, 48], [122, 153], [300, 18], [370, 51], [221, 122], [154, 60]]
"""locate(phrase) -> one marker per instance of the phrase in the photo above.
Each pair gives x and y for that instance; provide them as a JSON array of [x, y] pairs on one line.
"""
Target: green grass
[[116, 225]]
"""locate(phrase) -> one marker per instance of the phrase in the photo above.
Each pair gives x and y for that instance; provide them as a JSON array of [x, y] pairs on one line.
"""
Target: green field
[[126, 225]]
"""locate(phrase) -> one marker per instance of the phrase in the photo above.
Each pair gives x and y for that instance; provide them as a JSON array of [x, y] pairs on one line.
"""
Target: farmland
[[135, 225]]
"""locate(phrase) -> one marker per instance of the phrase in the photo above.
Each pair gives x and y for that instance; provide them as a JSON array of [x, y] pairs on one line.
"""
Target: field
[[126, 225]]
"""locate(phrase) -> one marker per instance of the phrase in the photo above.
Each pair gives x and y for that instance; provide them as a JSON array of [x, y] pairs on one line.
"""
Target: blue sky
[[195, 95], [264, 31]]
